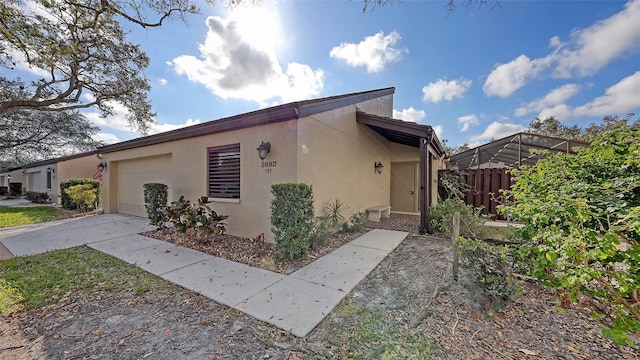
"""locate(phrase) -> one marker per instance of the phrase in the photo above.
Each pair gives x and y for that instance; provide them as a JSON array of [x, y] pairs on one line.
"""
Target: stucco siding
[[248, 216], [336, 156], [78, 168]]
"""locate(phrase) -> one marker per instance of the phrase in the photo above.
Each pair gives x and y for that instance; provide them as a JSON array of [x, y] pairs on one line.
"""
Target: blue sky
[[473, 75]]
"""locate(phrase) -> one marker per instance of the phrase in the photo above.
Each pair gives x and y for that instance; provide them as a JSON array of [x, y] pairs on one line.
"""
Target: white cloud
[[560, 112], [495, 130], [163, 81], [409, 114], [117, 121], [438, 130], [467, 121], [587, 51], [594, 47], [158, 128], [106, 138], [554, 98], [445, 90], [505, 79], [233, 65], [374, 52], [20, 63], [619, 98]]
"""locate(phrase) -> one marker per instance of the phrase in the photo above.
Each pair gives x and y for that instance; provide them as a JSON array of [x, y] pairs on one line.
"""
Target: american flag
[[97, 175]]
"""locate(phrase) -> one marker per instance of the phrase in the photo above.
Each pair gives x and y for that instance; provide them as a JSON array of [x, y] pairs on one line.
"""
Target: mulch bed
[[252, 252], [411, 290]]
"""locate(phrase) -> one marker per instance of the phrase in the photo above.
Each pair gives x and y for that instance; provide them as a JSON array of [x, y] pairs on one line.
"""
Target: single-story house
[[13, 175], [46, 175], [346, 147]]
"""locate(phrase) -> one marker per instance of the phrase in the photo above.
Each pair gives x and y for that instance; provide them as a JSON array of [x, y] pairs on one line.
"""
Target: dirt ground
[[408, 307]]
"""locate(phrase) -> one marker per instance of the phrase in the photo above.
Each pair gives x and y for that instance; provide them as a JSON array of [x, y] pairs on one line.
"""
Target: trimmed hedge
[[15, 188], [155, 198], [3, 190], [37, 197], [292, 219], [67, 202]]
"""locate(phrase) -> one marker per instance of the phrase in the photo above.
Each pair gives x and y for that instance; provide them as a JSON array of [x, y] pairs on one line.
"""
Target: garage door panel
[[131, 177]]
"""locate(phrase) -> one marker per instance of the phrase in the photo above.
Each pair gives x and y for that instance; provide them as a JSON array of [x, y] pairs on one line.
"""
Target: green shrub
[[320, 233], [37, 197], [490, 269], [15, 188], [155, 199], [292, 219], [581, 233], [333, 213], [471, 219], [357, 222], [83, 196], [199, 219], [3, 190], [66, 200]]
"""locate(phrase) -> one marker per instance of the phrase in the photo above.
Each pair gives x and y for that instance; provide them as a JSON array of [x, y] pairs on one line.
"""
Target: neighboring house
[[13, 175], [46, 175], [333, 144]]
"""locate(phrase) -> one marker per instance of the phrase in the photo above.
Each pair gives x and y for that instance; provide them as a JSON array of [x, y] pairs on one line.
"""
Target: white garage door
[[133, 174]]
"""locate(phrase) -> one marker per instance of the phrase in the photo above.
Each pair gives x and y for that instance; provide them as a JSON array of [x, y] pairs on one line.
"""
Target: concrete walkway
[[296, 303]]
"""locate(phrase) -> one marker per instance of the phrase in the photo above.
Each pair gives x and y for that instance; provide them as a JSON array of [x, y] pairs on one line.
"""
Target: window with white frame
[[224, 171]]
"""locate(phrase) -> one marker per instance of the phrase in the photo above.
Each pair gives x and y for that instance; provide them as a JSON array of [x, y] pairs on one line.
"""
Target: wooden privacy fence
[[482, 183]]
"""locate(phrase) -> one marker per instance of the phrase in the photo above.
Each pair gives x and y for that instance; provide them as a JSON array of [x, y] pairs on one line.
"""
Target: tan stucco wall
[[402, 153], [36, 180], [78, 168], [336, 155], [250, 215], [16, 176]]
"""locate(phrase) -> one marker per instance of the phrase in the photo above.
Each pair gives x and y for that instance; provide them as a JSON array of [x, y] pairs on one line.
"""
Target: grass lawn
[[16, 216], [31, 282]]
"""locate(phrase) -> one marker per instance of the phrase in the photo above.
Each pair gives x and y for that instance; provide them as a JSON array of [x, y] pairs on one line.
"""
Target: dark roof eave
[[260, 117], [58, 159], [285, 112], [384, 125]]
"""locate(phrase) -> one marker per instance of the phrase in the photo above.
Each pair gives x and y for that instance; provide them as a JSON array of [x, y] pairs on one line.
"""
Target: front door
[[404, 190]]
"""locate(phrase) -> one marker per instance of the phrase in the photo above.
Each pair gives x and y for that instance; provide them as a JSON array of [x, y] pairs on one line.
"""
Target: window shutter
[[224, 172]]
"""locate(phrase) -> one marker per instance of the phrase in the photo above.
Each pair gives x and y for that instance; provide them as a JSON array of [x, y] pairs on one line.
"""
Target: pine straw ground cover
[[407, 308], [252, 252]]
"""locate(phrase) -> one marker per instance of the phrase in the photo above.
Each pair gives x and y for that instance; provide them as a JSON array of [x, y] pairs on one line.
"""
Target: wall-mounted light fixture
[[50, 170], [102, 166], [263, 150], [378, 166], [9, 179], [24, 172]]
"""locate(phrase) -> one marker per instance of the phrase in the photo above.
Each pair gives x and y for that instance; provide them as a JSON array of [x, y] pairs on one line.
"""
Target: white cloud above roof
[[374, 52], [554, 98], [106, 138], [438, 129], [592, 48], [619, 98], [232, 67], [495, 130], [445, 90], [586, 52], [505, 79], [409, 114], [467, 121]]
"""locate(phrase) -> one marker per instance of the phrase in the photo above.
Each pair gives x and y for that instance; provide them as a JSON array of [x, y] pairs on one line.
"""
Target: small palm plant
[[334, 213]]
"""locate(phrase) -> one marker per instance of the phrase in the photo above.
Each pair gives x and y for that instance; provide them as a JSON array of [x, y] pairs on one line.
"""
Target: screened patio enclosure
[[513, 151]]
